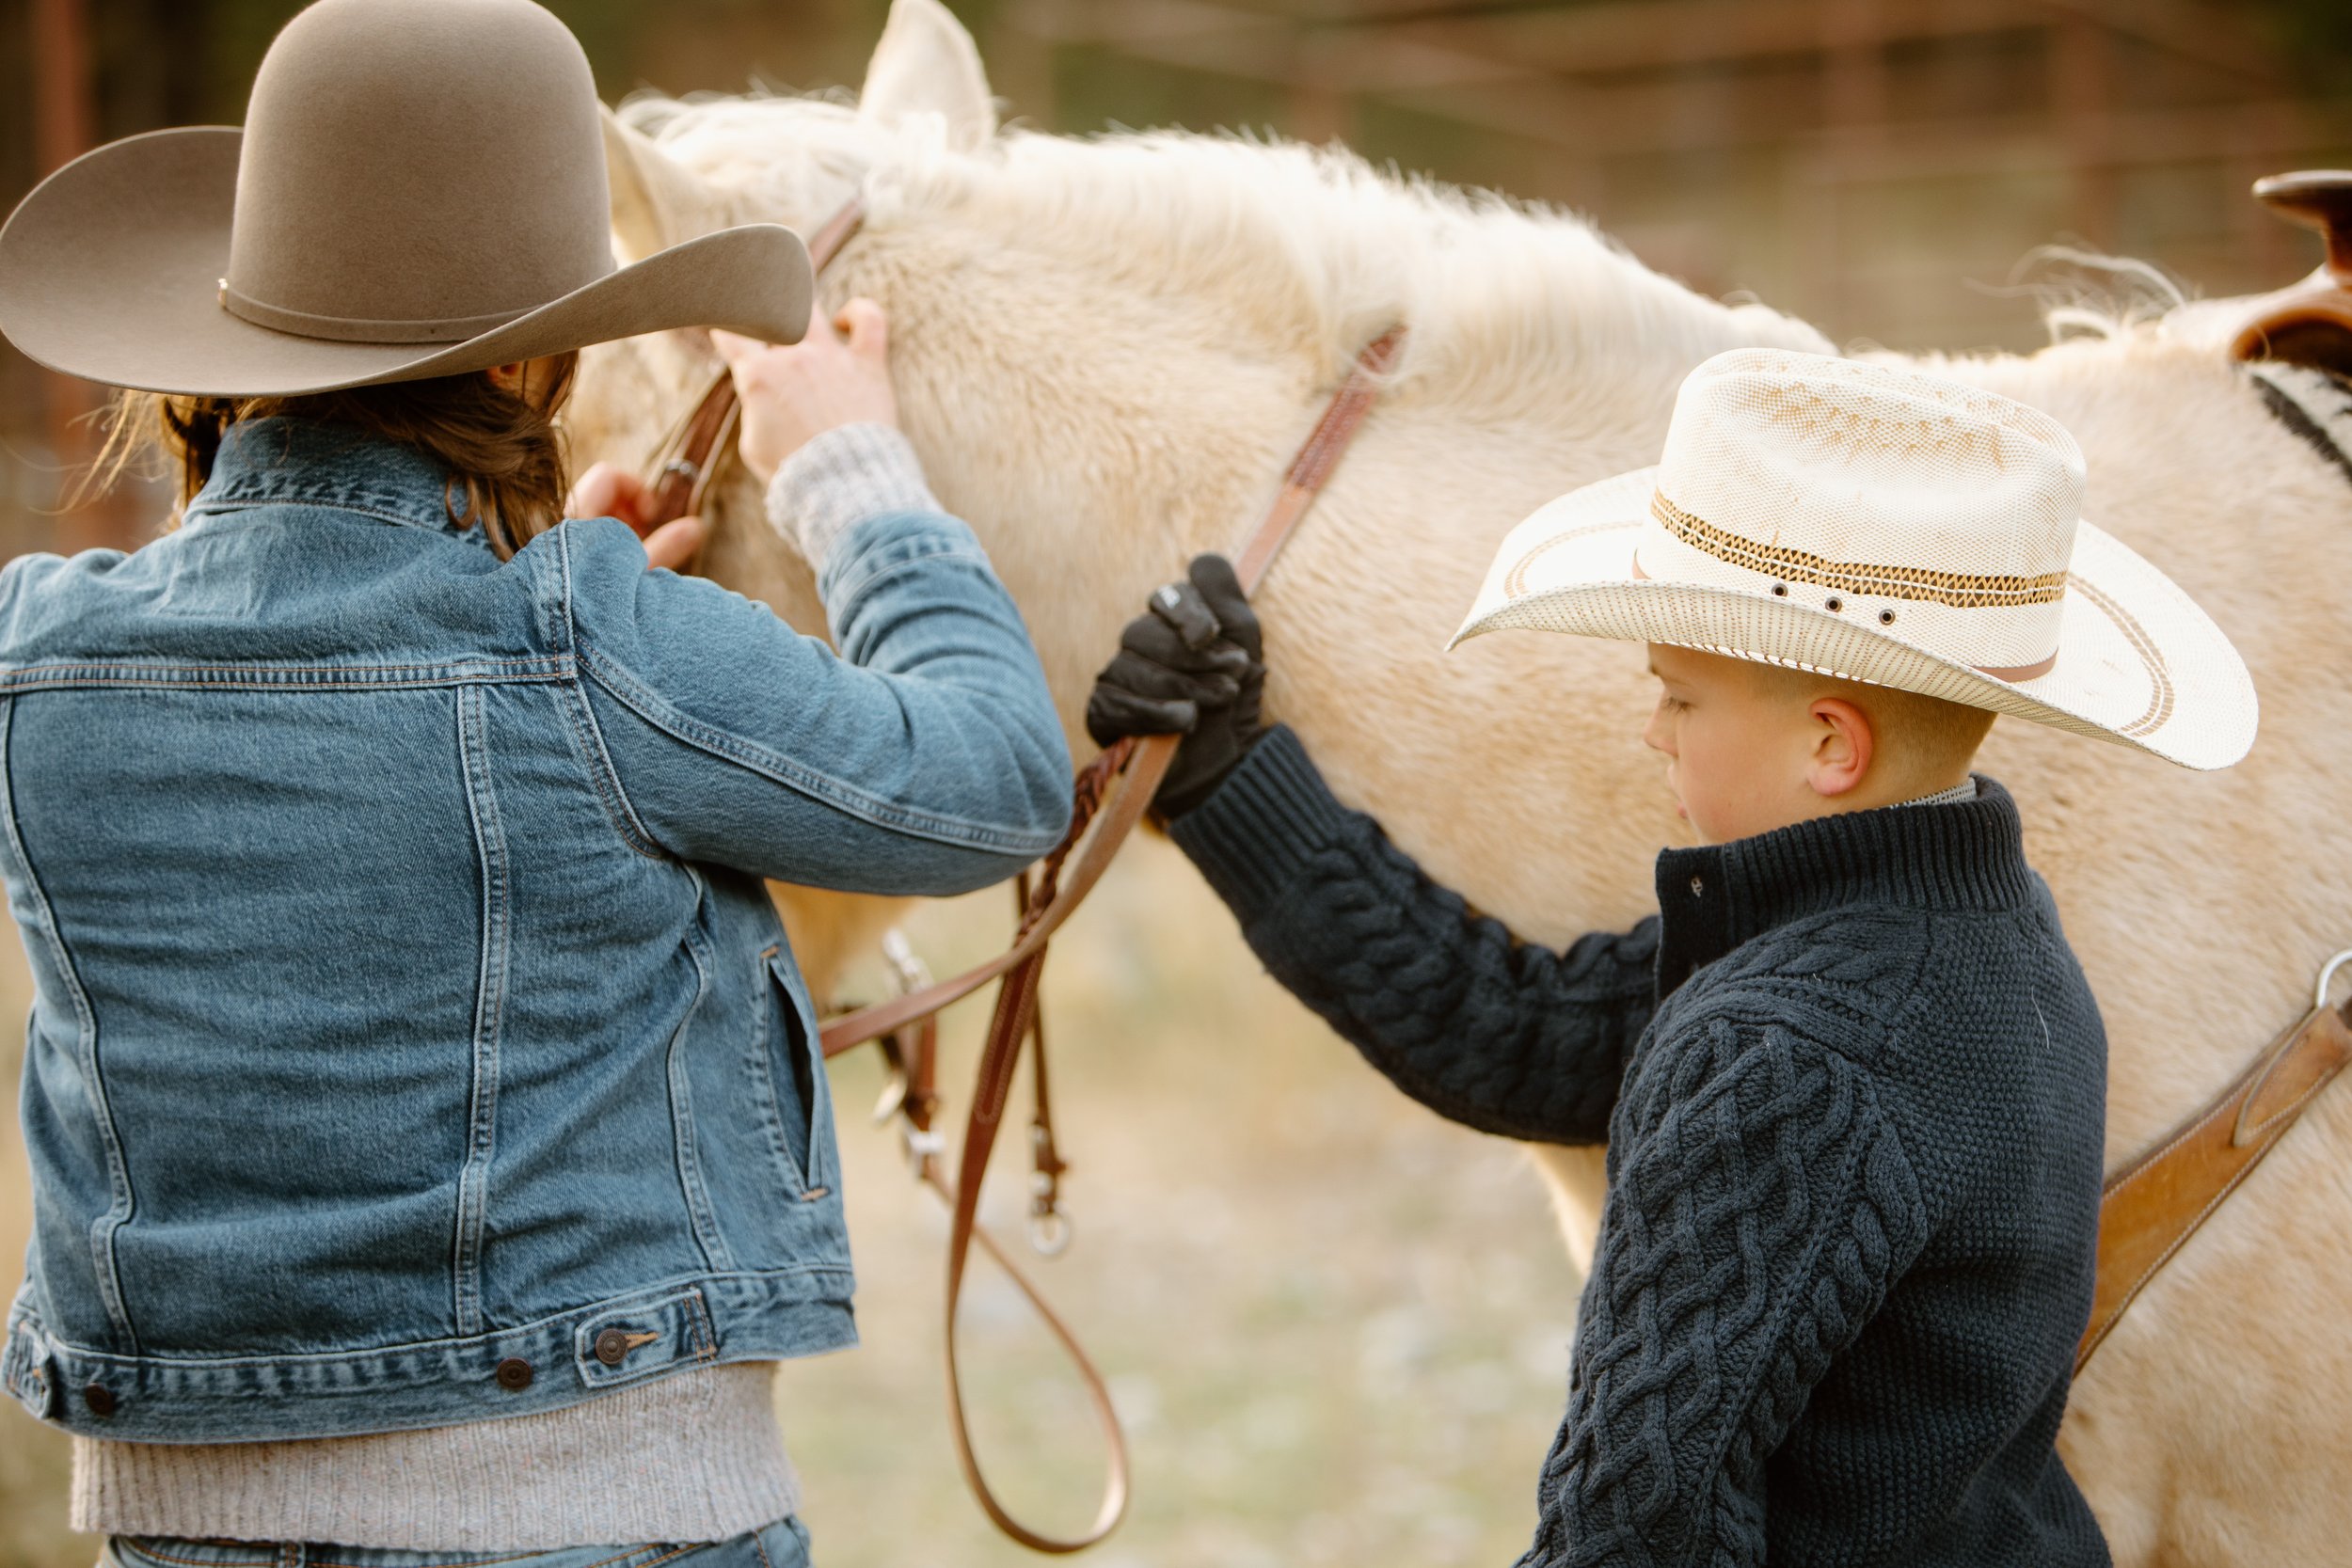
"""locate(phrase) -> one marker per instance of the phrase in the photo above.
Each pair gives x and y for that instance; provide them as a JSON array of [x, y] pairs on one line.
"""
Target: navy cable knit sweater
[[1852, 1084]]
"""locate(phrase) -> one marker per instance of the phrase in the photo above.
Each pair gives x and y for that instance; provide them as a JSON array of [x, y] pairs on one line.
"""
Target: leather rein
[[678, 477], [2153, 1206], [1111, 795]]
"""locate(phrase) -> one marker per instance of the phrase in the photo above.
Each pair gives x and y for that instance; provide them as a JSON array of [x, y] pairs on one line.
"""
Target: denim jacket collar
[[1963, 855], [280, 460]]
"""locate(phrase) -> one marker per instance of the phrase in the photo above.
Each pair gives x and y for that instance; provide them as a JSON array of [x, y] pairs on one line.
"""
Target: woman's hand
[[838, 374], [790, 396], [1194, 665], [608, 491]]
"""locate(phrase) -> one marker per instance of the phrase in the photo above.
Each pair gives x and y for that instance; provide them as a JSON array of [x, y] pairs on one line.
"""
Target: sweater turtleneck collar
[[1957, 855]]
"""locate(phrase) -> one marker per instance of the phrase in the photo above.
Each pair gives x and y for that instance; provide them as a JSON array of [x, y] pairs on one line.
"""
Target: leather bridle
[[1111, 795], [677, 479]]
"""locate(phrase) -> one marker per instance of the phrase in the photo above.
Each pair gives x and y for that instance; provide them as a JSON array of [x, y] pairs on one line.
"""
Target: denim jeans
[[782, 1544]]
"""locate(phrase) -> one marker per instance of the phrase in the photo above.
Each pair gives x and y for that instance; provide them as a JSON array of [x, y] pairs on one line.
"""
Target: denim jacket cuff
[[840, 479]]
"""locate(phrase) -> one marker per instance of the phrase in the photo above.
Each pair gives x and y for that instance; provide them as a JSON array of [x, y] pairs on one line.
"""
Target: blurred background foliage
[[1336, 1326], [1886, 168]]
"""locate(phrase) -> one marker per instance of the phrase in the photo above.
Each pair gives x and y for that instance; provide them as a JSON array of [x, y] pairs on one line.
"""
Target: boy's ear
[[1843, 745]]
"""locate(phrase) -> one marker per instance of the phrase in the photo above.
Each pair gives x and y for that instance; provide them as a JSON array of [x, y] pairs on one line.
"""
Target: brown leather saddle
[[2308, 323]]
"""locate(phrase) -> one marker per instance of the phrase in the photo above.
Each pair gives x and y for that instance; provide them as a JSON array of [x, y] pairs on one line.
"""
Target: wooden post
[[1020, 57], [64, 127], [1851, 37], [2081, 71]]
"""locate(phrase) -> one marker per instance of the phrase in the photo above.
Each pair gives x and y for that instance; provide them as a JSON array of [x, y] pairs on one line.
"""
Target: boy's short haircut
[[1921, 740], [1929, 735]]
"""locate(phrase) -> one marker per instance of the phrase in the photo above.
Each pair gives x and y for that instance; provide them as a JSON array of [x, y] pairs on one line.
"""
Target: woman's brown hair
[[501, 444]]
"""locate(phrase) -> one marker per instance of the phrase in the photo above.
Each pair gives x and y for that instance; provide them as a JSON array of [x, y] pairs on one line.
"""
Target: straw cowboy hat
[[1881, 526], [419, 190]]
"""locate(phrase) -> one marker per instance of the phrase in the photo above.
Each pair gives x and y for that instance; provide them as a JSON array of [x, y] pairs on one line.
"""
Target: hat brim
[[2137, 661], [111, 271]]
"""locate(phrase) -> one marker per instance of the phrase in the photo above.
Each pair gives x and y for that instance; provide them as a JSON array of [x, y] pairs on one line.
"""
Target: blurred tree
[[2316, 36], [162, 62]]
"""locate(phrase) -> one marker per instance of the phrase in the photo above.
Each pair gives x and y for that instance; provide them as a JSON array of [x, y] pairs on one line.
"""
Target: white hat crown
[[1942, 514]]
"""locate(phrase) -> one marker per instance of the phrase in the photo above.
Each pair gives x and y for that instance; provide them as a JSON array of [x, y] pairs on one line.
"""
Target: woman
[[431, 1149]]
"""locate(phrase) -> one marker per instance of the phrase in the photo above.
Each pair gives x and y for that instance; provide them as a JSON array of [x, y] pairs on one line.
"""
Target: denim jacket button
[[99, 1399], [612, 1346], [514, 1373]]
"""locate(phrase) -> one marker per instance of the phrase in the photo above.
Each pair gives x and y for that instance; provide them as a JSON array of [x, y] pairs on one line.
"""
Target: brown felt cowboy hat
[[419, 190]]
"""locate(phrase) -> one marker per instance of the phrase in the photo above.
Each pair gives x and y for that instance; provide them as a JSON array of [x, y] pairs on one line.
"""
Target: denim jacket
[[409, 1013]]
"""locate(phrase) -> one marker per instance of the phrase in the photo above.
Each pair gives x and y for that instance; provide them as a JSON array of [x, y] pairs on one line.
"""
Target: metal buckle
[[1049, 1233], [921, 1145], [912, 973], [2327, 975], [1049, 1227]]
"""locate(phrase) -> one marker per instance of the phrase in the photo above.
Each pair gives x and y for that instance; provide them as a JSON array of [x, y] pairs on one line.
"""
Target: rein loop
[[1111, 796]]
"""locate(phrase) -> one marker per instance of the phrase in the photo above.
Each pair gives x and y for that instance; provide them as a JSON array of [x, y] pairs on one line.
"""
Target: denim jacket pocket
[[787, 1057]]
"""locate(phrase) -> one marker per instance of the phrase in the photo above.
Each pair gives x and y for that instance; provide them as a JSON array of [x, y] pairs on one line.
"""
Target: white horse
[[1107, 350]]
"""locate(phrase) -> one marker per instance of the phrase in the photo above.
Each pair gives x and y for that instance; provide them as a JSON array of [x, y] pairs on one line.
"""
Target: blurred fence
[[1879, 167]]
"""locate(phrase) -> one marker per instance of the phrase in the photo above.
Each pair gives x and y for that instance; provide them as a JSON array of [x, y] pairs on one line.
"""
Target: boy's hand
[[828, 379], [608, 491], [1193, 666]]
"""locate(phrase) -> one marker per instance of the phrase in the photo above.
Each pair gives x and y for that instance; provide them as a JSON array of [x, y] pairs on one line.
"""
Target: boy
[[1851, 1077]]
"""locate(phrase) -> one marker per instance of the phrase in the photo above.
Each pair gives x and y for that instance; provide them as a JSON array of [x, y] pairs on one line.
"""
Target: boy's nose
[[1658, 735]]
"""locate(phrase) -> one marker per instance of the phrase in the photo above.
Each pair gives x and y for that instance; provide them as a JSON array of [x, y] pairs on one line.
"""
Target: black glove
[[1192, 666]]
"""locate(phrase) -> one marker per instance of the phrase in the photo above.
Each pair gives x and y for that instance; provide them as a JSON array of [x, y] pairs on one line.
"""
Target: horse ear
[[657, 201], [925, 63]]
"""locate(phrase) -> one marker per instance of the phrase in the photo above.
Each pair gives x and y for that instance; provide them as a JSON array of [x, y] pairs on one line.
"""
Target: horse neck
[[2187, 460], [1105, 375]]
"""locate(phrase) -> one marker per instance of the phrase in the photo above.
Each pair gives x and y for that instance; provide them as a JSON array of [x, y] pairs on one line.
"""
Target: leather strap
[[1112, 793], [1312, 469], [1130, 762], [2156, 1204], [679, 476], [1095, 852], [834, 232]]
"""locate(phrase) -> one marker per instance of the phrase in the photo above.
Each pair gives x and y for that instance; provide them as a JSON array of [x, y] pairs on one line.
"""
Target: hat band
[[2011, 673], [347, 329], [1958, 590]]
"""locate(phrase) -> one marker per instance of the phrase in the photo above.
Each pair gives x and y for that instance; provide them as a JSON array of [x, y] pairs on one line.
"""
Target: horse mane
[[1511, 304]]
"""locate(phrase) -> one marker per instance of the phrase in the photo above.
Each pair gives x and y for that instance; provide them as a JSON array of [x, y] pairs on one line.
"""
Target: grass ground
[[1337, 1327]]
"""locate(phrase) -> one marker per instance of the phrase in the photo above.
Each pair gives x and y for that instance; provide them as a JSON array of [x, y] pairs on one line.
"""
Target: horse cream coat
[[1107, 350]]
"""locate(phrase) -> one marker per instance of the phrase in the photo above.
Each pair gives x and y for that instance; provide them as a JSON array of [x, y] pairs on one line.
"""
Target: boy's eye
[[1671, 703]]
